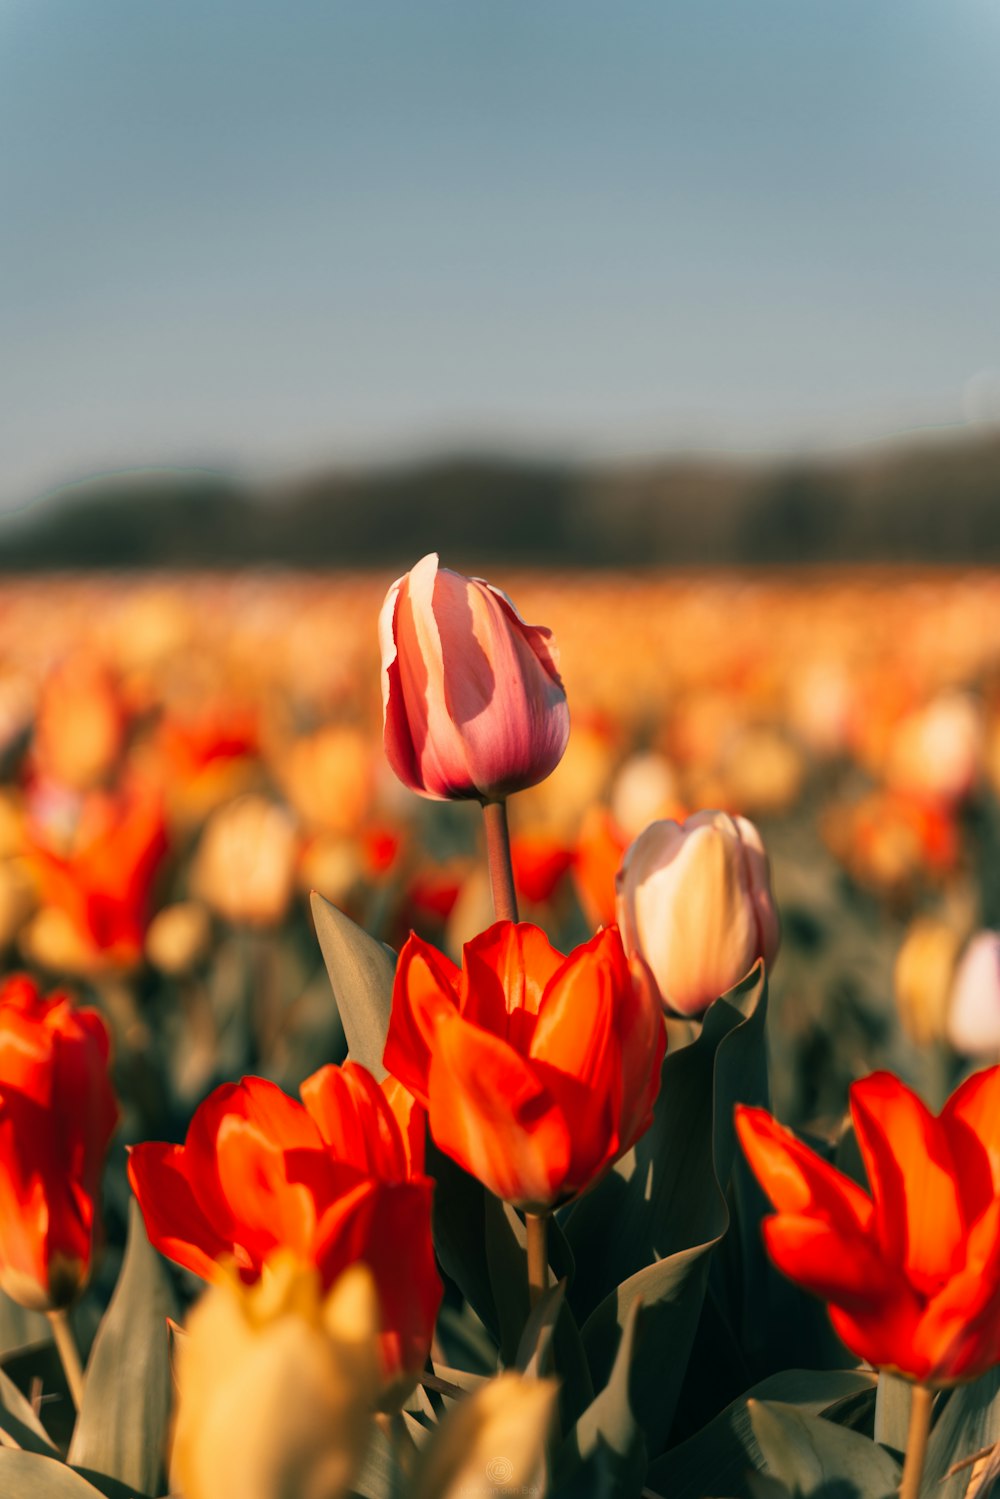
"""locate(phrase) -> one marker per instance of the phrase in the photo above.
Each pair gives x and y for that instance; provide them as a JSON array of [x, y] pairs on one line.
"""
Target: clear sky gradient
[[263, 234]]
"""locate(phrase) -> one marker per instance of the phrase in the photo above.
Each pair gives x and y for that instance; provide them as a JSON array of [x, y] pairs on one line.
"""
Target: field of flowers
[[510, 1214]]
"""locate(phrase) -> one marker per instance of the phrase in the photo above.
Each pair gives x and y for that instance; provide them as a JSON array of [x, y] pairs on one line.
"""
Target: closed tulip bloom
[[694, 899], [335, 1182], [276, 1386], [537, 1070], [57, 1116], [911, 1270], [473, 704], [973, 1012]]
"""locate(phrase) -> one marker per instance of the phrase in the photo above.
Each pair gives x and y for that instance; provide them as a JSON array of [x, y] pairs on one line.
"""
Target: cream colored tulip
[[694, 900], [277, 1386], [973, 1023], [245, 864], [922, 978], [492, 1442]]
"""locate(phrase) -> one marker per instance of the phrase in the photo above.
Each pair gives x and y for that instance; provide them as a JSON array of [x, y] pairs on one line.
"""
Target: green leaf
[[20, 1328], [534, 1353], [811, 1456], [969, 1422], [25, 1475], [19, 1420], [717, 1459], [122, 1426], [892, 1412], [361, 975], [646, 1232], [39, 1368], [605, 1451], [380, 1476]]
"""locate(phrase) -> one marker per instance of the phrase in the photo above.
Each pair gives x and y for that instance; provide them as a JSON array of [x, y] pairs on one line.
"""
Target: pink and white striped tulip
[[694, 900], [473, 704]]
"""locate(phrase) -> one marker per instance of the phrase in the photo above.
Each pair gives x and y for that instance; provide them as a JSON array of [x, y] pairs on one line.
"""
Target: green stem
[[67, 1349], [921, 1406], [537, 1226], [499, 860]]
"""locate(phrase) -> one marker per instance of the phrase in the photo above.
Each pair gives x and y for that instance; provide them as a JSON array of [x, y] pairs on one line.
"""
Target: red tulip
[[472, 700], [912, 1271], [57, 1115], [102, 879], [337, 1181], [538, 1070]]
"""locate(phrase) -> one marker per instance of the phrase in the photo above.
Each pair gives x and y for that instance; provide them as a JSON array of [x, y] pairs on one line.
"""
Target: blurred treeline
[[935, 500]]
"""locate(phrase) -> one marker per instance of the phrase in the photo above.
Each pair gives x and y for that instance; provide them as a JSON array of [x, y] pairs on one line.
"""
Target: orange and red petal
[[491, 1113], [176, 1223], [504, 972], [971, 1119], [423, 996], [919, 1213], [356, 1121], [796, 1179]]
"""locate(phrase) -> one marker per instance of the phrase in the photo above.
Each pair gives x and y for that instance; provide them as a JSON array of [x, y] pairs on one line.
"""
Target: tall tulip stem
[[498, 857], [537, 1226], [921, 1405], [65, 1342]]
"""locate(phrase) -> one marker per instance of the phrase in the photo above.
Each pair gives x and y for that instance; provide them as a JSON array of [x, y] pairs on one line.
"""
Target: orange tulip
[[57, 1115], [911, 1272], [472, 699], [537, 1070], [102, 879], [335, 1182]]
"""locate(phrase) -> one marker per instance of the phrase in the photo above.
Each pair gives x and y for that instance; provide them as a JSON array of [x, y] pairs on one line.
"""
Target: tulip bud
[[694, 900], [973, 1024], [276, 1386], [179, 937], [492, 1442], [922, 978], [473, 704], [245, 864]]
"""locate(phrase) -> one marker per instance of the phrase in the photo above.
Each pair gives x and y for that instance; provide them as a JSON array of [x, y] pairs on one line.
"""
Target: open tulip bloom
[[335, 1182], [911, 1272], [57, 1115], [538, 1070]]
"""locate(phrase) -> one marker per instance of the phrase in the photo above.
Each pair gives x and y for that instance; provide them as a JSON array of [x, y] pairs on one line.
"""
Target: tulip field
[[536, 1037]]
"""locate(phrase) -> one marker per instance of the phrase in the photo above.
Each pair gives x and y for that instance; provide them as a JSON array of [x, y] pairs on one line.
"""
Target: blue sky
[[266, 235]]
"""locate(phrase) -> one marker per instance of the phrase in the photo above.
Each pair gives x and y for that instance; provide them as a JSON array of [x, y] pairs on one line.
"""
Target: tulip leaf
[[653, 1222], [123, 1421], [534, 1352], [380, 1476], [361, 974], [605, 1452], [892, 1412], [718, 1458], [26, 1475], [811, 1456], [968, 1424], [459, 1228], [20, 1328], [19, 1420]]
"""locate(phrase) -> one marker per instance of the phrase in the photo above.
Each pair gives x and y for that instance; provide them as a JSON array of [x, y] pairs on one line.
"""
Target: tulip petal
[[576, 1050], [355, 1118], [959, 1333], [509, 706], [644, 1046], [820, 1259], [423, 996], [796, 1179], [971, 1118], [175, 1222], [504, 973], [918, 1209], [411, 1118], [491, 1113]]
